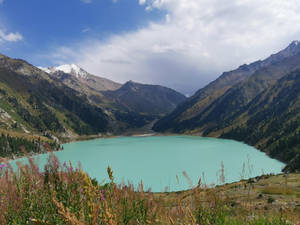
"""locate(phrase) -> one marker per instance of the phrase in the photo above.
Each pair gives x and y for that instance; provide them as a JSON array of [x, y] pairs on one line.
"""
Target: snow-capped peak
[[67, 68], [73, 69]]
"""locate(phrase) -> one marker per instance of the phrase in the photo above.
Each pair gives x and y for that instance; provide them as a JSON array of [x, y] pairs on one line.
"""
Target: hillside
[[271, 121], [32, 102], [234, 113], [268, 70]]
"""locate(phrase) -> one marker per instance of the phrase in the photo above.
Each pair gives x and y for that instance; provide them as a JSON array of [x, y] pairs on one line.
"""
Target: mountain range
[[257, 103], [134, 97], [67, 101]]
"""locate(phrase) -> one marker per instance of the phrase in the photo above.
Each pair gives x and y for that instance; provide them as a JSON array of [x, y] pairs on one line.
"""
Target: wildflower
[[2, 166], [102, 198]]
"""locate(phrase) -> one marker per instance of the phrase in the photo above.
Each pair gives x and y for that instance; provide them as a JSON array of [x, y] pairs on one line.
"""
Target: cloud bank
[[196, 41]]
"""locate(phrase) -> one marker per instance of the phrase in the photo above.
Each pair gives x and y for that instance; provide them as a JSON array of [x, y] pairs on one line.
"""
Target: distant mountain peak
[[295, 43], [72, 69], [293, 48]]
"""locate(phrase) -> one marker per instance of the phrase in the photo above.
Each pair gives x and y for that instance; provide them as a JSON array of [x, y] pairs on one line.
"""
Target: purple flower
[[2, 166], [102, 198]]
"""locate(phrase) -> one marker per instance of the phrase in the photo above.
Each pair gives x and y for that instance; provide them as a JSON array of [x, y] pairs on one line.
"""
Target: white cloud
[[1, 1], [197, 40], [142, 2], [10, 37]]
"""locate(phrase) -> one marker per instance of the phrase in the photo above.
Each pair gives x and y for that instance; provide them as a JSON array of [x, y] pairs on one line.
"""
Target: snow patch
[[74, 70], [68, 68]]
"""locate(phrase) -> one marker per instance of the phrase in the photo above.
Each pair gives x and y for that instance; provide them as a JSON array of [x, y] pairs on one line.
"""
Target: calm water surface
[[161, 162]]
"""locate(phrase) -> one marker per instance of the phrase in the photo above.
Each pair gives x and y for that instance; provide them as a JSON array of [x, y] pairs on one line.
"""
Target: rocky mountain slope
[[245, 106]]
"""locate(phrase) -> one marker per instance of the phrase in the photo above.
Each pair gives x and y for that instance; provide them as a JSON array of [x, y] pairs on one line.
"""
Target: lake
[[170, 163]]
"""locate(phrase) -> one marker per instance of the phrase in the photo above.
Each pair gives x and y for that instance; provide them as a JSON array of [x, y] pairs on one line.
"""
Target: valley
[[67, 104], [257, 104], [149, 112], [42, 109]]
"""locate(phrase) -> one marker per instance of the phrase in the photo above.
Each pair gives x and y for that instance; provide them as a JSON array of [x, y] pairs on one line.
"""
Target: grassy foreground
[[64, 195]]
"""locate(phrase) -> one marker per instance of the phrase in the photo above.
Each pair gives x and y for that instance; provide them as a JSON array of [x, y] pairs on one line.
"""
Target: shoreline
[[129, 134], [93, 137], [154, 134]]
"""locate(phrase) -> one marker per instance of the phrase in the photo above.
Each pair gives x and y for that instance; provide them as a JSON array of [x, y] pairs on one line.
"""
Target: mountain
[[67, 102], [131, 97], [271, 121], [146, 99], [79, 74], [32, 102], [236, 88], [132, 105], [257, 104]]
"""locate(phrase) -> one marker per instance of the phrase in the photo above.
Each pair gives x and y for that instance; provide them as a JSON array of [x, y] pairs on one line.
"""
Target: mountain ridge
[[232, 112], [204, 97]]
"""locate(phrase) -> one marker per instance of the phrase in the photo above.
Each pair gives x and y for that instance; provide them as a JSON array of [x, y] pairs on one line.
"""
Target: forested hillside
[[261, 109]]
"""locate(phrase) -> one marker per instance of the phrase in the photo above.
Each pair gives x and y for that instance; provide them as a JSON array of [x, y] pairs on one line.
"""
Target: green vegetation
[[14, 146], [36, 101], [273, 123], [62, 194], [261, 108]]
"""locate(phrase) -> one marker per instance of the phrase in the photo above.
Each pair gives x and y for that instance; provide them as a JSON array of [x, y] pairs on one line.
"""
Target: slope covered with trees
[[262, 109]]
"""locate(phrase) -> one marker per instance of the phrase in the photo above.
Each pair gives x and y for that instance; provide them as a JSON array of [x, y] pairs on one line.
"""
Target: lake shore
[[140, 133]]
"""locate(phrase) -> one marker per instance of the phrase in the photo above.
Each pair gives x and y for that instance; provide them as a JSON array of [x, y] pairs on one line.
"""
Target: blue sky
[[47, 24], [182, 44]]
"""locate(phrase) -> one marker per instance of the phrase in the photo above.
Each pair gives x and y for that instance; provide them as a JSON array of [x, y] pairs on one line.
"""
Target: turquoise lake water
[[161, 161]]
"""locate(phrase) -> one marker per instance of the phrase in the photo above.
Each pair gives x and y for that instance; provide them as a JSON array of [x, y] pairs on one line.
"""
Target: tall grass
[[61, 194]]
